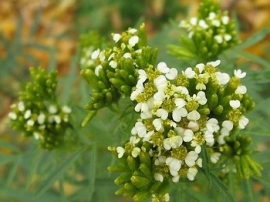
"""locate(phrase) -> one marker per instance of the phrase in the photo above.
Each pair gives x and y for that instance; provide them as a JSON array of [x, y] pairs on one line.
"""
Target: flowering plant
[[184, 123]]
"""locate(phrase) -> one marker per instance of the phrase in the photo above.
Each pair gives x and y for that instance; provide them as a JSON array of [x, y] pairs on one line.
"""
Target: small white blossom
[[228, 125], [203, 24], [157, 124], [172, 74], [66, 109], [200, 66], [188, 135], [21, 106], [212, 16], [189, 73], [135, 152], [215, 157], [179, 102], [193, 115], [235, 104], [37, 135], [127, 55], [218, 38], [116, 37], [133, 40], [57, 119], [162, 113], [243, 121], [222, 78], [52, 109], [239, 74], [113, 64], [95, 54], [132, 30], [241, 90], [160, 82], [30, 122], [227, 37], [216, 23], [12, 115], [158, 177], [214, 63], [194, 126], [225, 20], [193, 21], [201, 98], [172, 142], [163, 68], [177, 114], [174, 164], [192, 172], [41, 118], [120, 151], [191, 158], [139, 129], [27, 114]]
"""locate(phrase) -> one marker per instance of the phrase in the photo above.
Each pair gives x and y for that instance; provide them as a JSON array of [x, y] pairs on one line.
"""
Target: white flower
[[174, 164], [127, 55], [158, 177], [113, 64], [41, 118], [188, 135], [225, 20], [133, 40], [177, 114], [160, 82], [227, 124], [193, 21], [102, 56], [235, 104], [172, 74], [203, 24], [212, 16], [116, 37], [227, 37], [57, 119], [134, 140], [191, 158], [216, 23], [132, 30], [120, 151], [193, 115], [212, 125], [179, 102], [97, 69], [189, 73], [199, 162], [141, 106], [162, 113], [163, 68], [194, 126], [241, 90], [52, 109], [214, 63], [139, 129], [209, 138], [21, 106], [12, 115], [66, 109], [215, 157], [218, 38], [142, 75], [243, 121], [222, 78], [157, 124], [201, 98], [192, 172], [200, 66], [30, 122], [95, 54], [135, 152], [37, 135], [160, 160], [27, 114], [239, 74], [175, 178], [172, 142]]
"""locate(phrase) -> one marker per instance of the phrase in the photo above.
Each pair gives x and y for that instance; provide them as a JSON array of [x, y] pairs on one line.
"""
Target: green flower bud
[[141, 196], [132, 163], [123, 178], [140, 182]]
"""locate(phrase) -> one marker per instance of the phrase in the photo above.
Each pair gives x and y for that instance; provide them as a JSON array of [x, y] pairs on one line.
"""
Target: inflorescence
[[37, 114]]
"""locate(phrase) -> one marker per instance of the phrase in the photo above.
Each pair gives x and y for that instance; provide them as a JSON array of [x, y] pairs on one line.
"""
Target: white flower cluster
[[178, 117], [38, 122], [97, 58], [212, 21]]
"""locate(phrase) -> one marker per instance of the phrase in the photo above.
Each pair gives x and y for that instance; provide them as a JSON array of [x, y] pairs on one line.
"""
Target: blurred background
[[46, 33]]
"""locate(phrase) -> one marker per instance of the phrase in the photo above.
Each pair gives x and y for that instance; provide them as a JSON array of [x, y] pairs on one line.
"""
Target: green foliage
[[78, 171]]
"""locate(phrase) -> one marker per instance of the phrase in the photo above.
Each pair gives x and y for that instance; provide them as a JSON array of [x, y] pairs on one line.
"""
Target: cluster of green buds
[[180, 115], [210, 33], [112, 72], [37, 114]]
